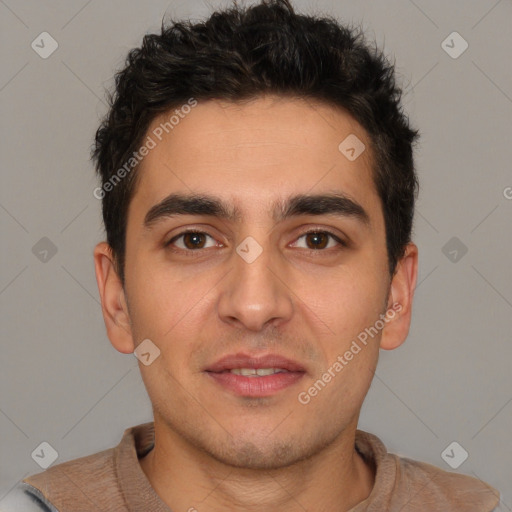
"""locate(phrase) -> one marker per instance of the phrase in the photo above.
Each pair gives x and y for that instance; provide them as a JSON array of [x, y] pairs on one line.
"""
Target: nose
[[255, 295]]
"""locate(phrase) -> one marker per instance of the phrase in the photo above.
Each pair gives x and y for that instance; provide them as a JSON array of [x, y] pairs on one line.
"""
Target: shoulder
[[457, 491], [78, 485], [26, 498], [406, 484], [65, 474], [71, 485]]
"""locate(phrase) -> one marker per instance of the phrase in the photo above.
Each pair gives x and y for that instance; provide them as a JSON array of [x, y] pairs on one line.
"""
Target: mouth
[[253, 376]]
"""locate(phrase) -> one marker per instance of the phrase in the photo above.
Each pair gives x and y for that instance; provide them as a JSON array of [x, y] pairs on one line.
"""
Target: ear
[[400, 300], [113, 301]]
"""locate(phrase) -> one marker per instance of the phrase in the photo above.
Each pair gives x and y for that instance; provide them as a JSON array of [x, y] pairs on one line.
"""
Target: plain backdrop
[[61, 381]]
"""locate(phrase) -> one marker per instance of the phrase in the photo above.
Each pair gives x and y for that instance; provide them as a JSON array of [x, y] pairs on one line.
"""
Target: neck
[[185, 478]]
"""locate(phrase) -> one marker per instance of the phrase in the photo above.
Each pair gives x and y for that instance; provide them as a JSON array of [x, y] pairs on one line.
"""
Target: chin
[[266, 452], [248, 455]]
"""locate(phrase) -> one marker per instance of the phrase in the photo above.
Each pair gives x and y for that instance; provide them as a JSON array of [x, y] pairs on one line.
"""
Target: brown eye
[[190, 240], [318, 240], [193, 240]]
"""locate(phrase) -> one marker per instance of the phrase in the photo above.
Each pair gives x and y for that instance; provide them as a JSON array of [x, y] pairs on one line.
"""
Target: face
[[265, 277]]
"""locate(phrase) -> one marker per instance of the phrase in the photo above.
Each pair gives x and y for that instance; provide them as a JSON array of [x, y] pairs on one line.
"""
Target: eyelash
[[168, 244]]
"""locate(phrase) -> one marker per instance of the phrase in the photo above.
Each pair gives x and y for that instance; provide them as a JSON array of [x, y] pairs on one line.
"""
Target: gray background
[[60, 379]]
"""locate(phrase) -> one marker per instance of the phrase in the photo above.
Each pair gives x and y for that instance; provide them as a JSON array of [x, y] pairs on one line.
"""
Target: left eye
[[315, 240]]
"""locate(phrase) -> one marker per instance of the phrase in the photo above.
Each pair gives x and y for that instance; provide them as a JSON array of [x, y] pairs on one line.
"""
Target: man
[[258, 192]]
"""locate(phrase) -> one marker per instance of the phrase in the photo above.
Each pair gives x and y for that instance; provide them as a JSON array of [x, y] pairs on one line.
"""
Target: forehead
[[254, 153]]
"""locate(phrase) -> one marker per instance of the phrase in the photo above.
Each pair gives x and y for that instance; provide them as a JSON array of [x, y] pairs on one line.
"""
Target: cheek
[[162, 297], [345, 299], [349, 308], [347, 389]]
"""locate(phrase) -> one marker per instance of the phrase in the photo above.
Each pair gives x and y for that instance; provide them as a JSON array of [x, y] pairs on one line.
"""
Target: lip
[[241, 360], [263, 386]]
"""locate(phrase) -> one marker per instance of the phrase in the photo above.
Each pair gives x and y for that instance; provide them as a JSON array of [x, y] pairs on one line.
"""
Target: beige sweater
[[113, 481]]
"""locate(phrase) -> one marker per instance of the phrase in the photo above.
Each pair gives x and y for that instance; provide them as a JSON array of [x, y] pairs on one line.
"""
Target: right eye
[[190, 240]]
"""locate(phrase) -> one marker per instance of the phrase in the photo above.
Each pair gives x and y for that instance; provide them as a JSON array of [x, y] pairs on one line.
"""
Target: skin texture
[[215, 450]]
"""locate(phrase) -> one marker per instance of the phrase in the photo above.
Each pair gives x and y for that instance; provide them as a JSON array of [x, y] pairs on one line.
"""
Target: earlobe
[[400, 300], [113, 302]]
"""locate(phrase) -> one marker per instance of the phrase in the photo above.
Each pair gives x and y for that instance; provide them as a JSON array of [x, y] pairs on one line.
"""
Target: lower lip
[[266, 385]]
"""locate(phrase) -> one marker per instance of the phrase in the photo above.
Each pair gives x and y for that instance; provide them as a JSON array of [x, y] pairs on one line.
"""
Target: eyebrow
[[337, 204]]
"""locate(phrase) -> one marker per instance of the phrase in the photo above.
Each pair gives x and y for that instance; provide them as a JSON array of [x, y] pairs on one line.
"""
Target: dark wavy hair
[[242, 53]]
